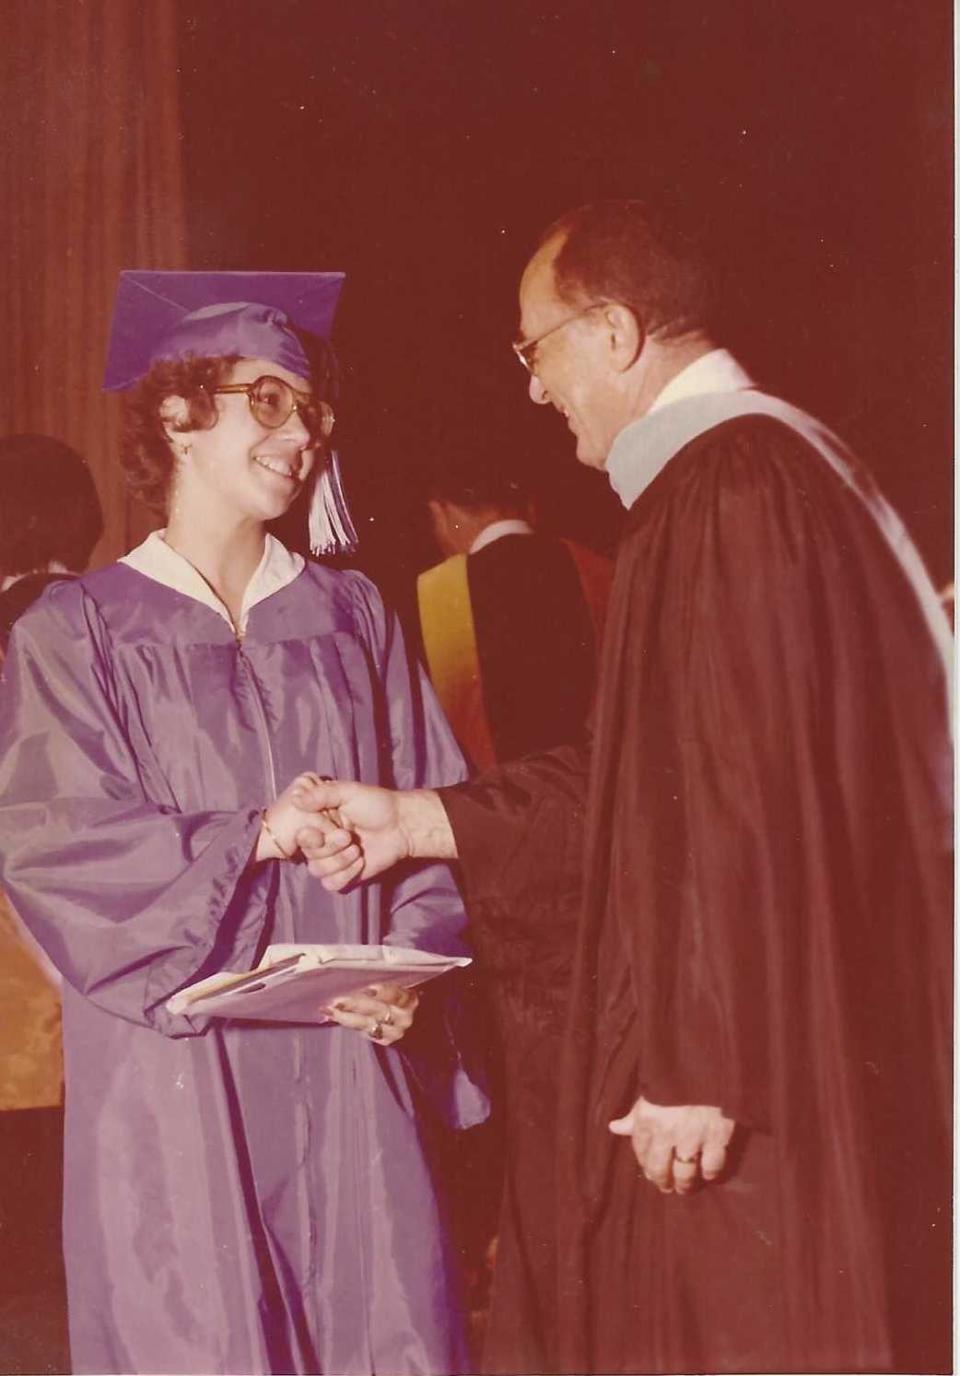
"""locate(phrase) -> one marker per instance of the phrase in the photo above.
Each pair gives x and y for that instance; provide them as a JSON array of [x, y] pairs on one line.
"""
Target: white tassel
[[330, 529]]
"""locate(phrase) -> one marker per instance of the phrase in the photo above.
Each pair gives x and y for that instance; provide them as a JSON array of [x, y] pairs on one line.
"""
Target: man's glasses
[[273, 402], [526, 349]]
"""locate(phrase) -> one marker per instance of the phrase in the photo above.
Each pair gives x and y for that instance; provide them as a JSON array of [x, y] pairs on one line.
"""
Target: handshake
[[349, 831]]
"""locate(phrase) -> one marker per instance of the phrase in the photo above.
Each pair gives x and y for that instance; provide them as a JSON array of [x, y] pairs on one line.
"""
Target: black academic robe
[[764, 925]]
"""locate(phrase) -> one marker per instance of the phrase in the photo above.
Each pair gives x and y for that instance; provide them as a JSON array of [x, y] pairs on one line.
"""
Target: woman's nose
[[294, 426]]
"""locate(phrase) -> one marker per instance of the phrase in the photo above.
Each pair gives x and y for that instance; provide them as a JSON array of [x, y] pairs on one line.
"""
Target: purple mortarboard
[[168, 315], [211, 314]]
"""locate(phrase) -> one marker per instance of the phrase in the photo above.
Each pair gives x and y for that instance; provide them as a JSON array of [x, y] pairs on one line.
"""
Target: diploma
[[295, 983]]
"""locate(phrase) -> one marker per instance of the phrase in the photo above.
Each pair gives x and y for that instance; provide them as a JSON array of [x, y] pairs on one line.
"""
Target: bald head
[[625, 251]]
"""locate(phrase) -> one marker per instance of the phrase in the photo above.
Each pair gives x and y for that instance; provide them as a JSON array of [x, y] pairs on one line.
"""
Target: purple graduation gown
[[239, 1197]]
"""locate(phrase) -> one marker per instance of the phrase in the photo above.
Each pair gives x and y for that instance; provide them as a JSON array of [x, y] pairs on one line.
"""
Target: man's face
[[572, 368]]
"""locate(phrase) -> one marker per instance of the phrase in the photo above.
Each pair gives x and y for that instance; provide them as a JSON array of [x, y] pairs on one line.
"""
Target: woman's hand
[[285, 818], [383, 1013], [367, 830]]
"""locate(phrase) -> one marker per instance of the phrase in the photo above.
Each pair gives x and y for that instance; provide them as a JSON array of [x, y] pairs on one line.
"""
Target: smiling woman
[[243, 461], [154, 712]]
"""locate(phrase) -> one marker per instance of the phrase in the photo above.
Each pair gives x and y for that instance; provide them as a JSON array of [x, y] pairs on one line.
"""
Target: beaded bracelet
[[270, 832]]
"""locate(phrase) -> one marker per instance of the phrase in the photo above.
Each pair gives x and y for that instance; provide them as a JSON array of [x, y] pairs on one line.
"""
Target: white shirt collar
[[497, 529], [634, 461], [54, 566], [157, 560]]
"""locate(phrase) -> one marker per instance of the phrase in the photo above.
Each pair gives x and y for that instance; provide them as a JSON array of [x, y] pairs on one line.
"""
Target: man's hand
[[676, 1146], [367, 830]]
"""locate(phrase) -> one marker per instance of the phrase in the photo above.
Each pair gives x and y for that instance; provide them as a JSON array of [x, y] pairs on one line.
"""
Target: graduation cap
[[212, 314], [170, 315]]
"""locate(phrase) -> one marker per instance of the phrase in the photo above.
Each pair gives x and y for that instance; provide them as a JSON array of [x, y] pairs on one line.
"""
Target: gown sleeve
[[131, 898]]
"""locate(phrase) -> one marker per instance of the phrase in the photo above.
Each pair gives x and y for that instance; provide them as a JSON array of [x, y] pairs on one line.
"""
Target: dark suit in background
[[510, 636]]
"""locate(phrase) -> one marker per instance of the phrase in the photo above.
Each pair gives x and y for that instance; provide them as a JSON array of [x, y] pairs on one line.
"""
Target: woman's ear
[[175, 418]]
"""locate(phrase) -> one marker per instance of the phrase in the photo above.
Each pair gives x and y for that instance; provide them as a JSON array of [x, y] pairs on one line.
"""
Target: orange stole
[[450, 646], [31, 1061]]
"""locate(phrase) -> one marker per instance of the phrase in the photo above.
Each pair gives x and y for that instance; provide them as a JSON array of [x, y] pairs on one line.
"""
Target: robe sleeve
[[444, 1049], [131, 898], [519, 830]]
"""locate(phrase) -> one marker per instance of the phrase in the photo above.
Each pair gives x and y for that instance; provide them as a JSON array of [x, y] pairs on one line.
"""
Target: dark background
[[423, 145]]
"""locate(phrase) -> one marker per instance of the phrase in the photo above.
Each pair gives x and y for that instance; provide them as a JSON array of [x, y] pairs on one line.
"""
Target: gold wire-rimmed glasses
[[526, 349]]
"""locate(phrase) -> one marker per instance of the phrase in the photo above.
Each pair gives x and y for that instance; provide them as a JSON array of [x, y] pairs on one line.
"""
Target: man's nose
[[538, 392]]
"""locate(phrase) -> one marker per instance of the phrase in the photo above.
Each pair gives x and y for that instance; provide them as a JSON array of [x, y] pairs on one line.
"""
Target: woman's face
[[239, 466]]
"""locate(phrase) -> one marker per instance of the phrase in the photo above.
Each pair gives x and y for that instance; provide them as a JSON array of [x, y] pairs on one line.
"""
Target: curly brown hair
[[146, 456]]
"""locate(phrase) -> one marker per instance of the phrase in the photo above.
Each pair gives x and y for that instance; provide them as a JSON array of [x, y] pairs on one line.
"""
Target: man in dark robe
[[757, 993]]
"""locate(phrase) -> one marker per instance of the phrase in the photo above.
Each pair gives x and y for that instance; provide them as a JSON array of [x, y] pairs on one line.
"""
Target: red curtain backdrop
[[90, 167]]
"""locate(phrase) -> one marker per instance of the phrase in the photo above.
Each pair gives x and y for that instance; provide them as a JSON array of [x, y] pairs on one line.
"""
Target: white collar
[[633, 462], [159, 561], [497, 529], [717, 371]]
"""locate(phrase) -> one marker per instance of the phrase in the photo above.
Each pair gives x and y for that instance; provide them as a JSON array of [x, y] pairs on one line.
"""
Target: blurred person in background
[[510, 623], [50, 521]]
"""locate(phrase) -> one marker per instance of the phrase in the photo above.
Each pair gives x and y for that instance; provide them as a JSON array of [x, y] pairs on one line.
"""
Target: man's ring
[[376, 1031], [685, 1160]]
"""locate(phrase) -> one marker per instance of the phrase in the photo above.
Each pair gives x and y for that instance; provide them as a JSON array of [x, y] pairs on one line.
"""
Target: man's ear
[[446, 518], [438, 520], [625, 336], [175, 417]]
